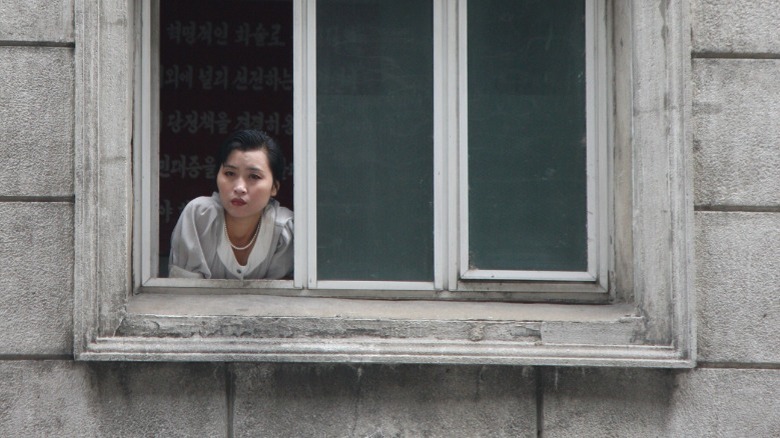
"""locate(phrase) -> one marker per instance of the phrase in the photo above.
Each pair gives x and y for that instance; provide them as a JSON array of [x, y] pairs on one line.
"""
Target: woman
[[240, 232]]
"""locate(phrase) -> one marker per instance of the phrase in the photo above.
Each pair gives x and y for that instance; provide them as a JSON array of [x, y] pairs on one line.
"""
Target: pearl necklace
[[241, 248]]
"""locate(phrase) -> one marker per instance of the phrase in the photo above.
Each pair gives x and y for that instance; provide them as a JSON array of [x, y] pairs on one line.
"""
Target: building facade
[[733, 390]]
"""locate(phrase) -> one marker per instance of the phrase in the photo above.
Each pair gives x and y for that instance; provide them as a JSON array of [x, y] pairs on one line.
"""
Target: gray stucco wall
[[735, 390]]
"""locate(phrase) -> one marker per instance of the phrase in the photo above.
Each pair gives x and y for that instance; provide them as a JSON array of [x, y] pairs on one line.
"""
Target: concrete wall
[[735, 391]]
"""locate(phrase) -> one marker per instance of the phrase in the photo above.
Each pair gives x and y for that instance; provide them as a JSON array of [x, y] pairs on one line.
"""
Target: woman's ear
[[275, 188]]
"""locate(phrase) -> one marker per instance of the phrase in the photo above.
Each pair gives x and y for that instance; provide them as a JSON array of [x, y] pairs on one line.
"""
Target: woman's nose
[[240, 188]]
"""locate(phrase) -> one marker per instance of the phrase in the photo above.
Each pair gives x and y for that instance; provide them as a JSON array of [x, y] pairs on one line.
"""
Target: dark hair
[[250, 140]]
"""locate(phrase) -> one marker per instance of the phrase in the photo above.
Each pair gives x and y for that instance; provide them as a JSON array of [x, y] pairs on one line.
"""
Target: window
[[441, 146], [222, 66], [624, 272]]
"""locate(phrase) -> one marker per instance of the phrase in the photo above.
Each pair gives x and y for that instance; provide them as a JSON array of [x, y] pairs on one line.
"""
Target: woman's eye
[[256, 176], [229, 173]]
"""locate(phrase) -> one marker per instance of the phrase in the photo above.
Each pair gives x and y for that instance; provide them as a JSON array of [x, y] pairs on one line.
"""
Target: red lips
[[238, 202]]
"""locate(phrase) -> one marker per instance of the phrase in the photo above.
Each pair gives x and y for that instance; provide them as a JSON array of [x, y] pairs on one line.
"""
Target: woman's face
[[245, 183]]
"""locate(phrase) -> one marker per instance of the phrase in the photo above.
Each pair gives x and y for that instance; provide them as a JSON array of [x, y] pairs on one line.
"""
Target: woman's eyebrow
[[250, 168]]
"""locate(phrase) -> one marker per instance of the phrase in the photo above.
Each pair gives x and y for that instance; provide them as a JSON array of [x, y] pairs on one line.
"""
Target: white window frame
[[451, 272], [648, 322], [598, 146]]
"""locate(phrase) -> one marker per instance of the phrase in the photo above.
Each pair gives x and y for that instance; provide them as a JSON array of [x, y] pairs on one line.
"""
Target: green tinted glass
[[374, 140], [527, 135]]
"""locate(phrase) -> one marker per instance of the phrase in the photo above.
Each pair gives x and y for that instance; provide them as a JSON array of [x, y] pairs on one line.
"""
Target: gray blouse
[[199, 248]]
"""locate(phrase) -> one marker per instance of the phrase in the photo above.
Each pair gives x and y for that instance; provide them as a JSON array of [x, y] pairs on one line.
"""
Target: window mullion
[[597, 143], [461, 210], [445, 135], [147, 142], [602, 110], [305, 143]]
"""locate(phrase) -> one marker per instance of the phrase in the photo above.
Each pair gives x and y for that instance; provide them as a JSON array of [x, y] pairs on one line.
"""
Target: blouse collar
[[260, 250]]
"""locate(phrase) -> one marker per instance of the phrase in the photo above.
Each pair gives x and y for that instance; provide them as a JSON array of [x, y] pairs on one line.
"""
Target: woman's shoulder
[[283, 214]]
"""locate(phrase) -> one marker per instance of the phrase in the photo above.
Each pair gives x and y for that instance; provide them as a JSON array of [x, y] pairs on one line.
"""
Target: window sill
[[167, 327]]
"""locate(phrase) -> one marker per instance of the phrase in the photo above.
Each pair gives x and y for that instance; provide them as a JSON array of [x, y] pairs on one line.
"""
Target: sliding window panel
[[375, 140], [527, 136]]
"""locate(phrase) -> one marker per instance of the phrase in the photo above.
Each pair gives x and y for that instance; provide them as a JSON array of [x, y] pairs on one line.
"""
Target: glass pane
[[374, 140], [224, 66], [527, 135]]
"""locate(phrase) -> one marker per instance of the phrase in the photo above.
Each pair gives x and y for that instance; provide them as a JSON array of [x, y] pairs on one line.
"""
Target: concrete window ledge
[[231, 328]]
